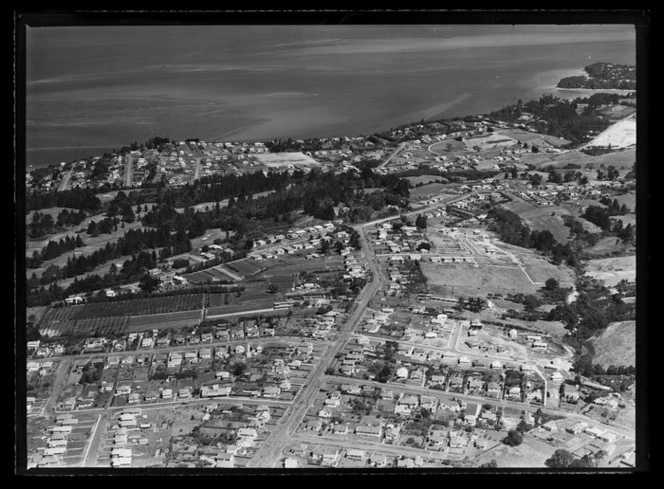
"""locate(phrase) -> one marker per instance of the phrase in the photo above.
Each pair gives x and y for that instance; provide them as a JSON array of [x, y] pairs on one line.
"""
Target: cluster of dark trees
[[76, 198], [312, 144], [591, 312], [52, 250], [42, 224], [562, 458], [600, 216], [133, 242], [567, 176], [604, 76], [510, 229]]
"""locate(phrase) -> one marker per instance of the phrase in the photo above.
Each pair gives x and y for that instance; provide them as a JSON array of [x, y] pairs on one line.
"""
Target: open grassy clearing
[[539, 269], [616, 345], [453, 279], [628, 199], [209, 237], [552, 223], [612, 270]]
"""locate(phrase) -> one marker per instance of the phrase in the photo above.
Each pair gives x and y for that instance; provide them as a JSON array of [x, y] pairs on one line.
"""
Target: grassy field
[[539, 270], [472, 281], [629, 199], [208, 238], [616, 345]]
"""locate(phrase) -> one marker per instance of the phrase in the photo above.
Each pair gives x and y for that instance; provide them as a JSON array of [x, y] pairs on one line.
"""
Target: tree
[[128, 214], [551, 284], [531, 302], [514, 438], [490, 465], [273, 289], [149, 284], [561, 458], [421, 221], [92, 228]]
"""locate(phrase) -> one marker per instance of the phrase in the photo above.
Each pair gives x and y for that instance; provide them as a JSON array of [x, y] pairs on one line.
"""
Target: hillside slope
[[616, 345]]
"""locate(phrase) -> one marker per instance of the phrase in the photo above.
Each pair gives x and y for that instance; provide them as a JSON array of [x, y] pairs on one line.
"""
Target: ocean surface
[[93, 89]]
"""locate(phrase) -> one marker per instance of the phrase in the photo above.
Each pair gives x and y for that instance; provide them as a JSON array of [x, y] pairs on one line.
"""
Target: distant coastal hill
[[603, 76]]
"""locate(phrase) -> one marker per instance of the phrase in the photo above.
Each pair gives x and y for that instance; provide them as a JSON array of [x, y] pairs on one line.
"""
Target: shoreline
[[439, 114]]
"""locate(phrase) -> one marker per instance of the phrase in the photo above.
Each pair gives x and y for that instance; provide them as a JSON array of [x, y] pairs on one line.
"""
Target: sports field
[[278, 160]]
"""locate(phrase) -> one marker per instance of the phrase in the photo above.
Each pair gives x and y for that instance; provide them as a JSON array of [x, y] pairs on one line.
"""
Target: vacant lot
[[469, 280], [616, 345], [612, 270]]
